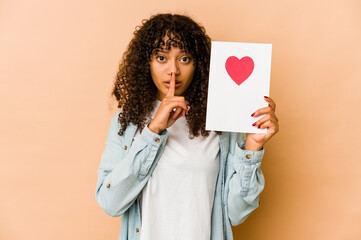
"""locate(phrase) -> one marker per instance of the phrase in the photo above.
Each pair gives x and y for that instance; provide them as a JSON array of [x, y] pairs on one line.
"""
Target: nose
[[174, 67]]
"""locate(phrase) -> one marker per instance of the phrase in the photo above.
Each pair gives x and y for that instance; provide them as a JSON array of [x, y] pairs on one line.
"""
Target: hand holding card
[[255, 141]]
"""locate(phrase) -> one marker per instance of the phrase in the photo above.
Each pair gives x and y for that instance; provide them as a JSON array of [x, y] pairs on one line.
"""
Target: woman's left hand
[[255, 141]]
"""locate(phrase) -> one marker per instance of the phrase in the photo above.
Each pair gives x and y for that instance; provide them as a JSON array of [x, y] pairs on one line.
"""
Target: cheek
[[191, 73], [154, 72]]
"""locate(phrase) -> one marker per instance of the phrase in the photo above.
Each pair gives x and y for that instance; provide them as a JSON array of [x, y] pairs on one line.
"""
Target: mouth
[[177, 84]]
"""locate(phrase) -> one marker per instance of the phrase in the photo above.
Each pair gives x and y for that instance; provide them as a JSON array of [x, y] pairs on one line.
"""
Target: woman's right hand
[[165, 116]]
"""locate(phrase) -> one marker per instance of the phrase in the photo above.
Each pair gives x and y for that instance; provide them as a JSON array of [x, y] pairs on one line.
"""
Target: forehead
[[168, 42]]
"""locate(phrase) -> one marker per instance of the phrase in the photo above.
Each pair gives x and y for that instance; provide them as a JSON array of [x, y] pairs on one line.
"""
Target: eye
[[160, 58], [186, 59]]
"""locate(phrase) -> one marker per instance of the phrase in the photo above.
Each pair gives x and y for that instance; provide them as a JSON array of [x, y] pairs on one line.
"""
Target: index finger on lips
[[171, 88]]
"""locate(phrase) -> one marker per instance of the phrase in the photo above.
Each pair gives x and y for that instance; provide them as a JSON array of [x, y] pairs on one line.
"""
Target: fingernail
[[254, 124], [259, 126], [265, 97], [252, 114], [171, 74]]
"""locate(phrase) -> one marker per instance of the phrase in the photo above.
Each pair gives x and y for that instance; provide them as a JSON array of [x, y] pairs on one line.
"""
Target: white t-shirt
[[178, 197]]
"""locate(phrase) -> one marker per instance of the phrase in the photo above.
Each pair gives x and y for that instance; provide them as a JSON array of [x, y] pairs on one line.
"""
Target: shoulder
[[115, 125], [115, 118]]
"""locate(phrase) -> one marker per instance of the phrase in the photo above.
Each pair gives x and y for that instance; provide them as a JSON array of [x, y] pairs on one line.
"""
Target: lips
[[177, 84]]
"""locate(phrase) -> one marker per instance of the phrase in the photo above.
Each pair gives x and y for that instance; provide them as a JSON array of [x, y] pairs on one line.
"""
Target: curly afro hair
[[134, 88]]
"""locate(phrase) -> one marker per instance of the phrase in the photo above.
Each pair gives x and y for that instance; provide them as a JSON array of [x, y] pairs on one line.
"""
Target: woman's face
[[164, 63]]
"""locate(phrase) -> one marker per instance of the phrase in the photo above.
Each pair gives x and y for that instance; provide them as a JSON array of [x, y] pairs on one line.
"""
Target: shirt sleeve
[[245, 182], [122, 172]]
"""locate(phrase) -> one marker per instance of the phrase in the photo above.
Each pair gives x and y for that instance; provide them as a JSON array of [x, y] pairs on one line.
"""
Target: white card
[[239, 78]]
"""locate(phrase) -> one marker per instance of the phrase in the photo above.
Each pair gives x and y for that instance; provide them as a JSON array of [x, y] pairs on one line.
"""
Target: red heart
[[239, 69]]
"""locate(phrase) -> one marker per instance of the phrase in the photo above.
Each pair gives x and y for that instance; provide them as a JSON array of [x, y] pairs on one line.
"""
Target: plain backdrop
[[59, 58]]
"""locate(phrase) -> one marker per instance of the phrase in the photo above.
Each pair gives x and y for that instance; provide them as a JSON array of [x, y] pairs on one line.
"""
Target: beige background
[[58, 60]]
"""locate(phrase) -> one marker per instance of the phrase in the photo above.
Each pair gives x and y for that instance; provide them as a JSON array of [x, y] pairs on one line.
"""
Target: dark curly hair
[[134, 88]]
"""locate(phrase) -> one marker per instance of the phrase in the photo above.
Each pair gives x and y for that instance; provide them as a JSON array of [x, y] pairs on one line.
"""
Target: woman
[[161, 170]]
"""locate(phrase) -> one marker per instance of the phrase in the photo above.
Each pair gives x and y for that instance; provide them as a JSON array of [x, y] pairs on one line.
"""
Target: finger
[[262, 120], [271, 103], [267, 116], [272, 126], [188, 108], [264, 110], [175, 104], [174, 98], [182, 114], [179, 116], [177, 112], [171, 88]]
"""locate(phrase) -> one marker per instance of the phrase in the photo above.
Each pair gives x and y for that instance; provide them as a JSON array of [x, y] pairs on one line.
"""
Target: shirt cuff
[[153, 138], [248, 156]]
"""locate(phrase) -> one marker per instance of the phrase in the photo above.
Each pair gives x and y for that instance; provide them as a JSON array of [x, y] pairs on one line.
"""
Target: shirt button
[[157, 140], [108, 185], [125, 147], [248, 156], [137, 229]]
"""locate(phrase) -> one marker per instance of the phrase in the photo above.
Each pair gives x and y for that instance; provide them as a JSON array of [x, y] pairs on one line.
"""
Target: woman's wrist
[[153, 129], [253, 146]]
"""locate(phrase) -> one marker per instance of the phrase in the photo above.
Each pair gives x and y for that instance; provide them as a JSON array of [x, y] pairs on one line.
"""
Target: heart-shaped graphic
[[239, 69]]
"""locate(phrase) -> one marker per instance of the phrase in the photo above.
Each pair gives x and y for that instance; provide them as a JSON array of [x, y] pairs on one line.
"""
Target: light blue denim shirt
[[126, 166]]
